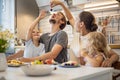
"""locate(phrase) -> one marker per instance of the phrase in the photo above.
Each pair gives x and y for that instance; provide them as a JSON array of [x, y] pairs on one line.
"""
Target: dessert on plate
[[70, 64]]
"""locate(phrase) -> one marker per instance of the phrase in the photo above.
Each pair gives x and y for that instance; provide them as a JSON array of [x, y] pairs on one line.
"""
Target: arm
[[94, 61], [66, 10], [82, 62], [60, 43], [113, 58], [104, 31], [35, 22], [49, 55], [16, 55]]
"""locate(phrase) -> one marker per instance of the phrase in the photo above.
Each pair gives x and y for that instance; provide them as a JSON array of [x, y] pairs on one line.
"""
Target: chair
[[116, 72]]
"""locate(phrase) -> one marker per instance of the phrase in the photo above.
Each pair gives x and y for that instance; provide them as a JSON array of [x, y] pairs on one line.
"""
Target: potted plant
[[5, 37]]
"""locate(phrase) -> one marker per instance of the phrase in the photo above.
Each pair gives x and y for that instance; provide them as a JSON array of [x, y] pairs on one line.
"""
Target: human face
[[55, 18], [78, 25], [35, 34]]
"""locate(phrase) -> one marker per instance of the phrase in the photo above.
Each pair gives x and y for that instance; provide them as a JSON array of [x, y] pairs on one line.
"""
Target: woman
[[85, 23], [32, 46]]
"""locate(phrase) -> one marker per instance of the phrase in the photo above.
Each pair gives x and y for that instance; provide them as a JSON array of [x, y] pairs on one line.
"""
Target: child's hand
[[42, 14]]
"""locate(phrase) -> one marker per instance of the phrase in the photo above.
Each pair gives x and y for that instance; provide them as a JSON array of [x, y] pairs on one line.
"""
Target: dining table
[[61, 73]]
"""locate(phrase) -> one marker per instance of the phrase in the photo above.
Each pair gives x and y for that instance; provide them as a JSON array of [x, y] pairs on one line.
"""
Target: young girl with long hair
[[96, 50]]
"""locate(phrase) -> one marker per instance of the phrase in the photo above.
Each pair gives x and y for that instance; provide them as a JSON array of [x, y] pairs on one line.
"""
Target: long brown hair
[[89, 21]]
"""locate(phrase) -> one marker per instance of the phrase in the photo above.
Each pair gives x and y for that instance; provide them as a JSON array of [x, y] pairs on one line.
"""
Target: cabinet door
[[77, 2]]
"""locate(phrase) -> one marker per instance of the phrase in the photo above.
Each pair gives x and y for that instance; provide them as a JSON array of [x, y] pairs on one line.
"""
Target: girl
[[95, 51], [32, 46]]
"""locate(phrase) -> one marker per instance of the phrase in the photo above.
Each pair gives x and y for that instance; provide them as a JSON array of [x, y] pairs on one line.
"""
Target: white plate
[[35, 70], [13, 65]]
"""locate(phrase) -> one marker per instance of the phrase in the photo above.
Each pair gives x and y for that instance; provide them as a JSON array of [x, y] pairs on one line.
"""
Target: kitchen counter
[[80, 73]]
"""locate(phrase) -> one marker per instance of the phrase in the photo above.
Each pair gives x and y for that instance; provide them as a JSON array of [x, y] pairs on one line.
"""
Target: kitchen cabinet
[[78, 2], [44, 3]]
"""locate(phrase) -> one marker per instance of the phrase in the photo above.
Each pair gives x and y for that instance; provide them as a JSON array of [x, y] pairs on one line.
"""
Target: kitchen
[[19, 14]]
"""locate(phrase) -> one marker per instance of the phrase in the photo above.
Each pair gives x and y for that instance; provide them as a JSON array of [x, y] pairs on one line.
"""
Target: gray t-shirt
[[60, 38]]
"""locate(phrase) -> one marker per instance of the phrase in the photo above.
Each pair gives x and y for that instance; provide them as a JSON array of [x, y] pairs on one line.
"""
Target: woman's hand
[[106, 63], [42, 14], [55, 3]]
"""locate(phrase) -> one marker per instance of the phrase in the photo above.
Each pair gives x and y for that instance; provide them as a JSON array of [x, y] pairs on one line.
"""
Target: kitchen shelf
[[114, 46], [111, 22]]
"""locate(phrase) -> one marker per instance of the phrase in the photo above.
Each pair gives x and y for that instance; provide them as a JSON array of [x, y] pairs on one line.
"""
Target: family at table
[[94, 50]]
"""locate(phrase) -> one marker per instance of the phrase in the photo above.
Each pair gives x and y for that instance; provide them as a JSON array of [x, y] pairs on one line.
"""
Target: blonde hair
[[98, 43]]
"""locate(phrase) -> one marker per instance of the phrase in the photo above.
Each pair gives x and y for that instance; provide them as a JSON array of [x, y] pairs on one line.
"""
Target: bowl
[[35, 70]]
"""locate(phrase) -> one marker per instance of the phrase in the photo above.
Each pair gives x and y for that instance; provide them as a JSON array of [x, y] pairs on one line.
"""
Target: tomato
[[49, 61]]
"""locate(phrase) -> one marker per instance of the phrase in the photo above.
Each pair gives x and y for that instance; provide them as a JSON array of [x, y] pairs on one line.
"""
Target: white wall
[[26, 12]]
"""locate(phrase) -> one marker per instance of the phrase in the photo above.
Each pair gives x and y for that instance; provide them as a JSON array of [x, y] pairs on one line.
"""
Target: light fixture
[[99, 8], [101, 5]]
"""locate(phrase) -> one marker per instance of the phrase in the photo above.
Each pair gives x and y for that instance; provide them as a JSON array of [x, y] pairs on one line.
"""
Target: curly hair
[[98, 43]]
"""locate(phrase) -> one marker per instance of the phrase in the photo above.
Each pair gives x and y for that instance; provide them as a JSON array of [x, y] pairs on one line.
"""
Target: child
[[32, 46], [96, 50]]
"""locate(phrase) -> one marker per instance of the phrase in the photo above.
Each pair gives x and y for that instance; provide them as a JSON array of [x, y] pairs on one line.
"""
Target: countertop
[[80, 73]]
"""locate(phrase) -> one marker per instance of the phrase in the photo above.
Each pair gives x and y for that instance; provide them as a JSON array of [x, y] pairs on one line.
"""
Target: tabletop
[[79, 73]]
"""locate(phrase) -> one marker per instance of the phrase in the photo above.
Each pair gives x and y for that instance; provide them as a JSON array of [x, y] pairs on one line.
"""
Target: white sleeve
[[27, 43], [26, 50]]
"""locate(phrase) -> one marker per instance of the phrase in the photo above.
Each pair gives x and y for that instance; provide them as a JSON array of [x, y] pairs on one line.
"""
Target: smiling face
[[35, 34], [58, 18]]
